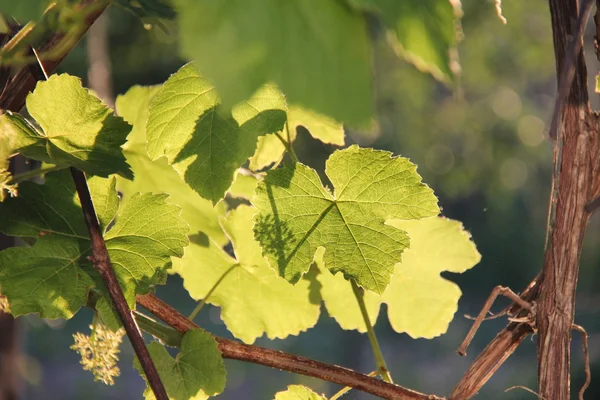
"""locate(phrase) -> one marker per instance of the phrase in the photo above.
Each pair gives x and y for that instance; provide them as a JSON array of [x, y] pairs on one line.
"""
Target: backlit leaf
[[204, 144], [296, 215], [196, 373], [298, 392], [253, 298], [317, 52], [54, 275], [420, 302]]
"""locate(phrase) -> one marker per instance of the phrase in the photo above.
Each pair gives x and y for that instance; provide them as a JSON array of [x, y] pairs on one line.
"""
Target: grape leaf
[[296, 215], [298, 392], [426, 32], [420, 302], [339, 299], [158, 176], [317, 52], [53, 276], [196, 373], [254, 300], [270, 150], [76, 129], [321, 127], [205, 145]]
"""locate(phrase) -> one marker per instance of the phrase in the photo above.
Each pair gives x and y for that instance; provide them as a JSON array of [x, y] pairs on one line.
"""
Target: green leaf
[[296, 215], [270, 150], [317, 52], [158, 176], [339, 299], [254, 300], [321, 127], [298, 392], [76, 129], [196, 373], [54, 276], [426, 32], [205, 145], [420, 302]]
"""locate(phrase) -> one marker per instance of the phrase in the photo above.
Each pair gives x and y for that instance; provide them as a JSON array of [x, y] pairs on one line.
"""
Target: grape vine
[[198, 177]]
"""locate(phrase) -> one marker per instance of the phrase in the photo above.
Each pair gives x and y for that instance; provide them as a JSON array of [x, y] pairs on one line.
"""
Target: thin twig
[[202, 302], [498, 291], [346, 389], [101, 262], [288, 362], [525, 388], [380, 361], [287, 144], [586, 359]]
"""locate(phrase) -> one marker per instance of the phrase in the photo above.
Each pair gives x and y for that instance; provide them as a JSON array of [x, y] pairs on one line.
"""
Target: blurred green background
[[482, 149]]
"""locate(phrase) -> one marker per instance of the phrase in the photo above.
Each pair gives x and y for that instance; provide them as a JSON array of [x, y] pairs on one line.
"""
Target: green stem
[[19, 36], [288, 144], [165, 334], [381, 366], [202, 302], [36, 172], [349, 388]]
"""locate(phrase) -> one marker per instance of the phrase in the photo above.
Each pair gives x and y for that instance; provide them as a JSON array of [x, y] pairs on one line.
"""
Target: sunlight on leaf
[[158, 176], [254, 300], [420, 302], [53, 276], [298, 392], [317, 52], [77, 129], [296, 215], [201, 141]]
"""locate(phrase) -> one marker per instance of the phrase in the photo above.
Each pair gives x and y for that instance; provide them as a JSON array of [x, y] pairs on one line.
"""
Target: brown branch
[[101, 262], [498, 350], [288, 362], [498, 291], [576, 154]]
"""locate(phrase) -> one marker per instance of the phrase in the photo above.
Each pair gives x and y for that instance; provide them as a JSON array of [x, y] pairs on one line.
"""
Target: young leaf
[[425, 31], [251, 293], [321, 127], [270, 150], [205, 145], [196, 373], [158, 176], [298, 392], [339, 299], [76, 129], [53, 276], [317, 52], [420, 302], [296, 215]]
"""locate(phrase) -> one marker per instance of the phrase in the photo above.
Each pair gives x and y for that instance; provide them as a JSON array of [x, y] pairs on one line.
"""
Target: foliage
[[259, 72]]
